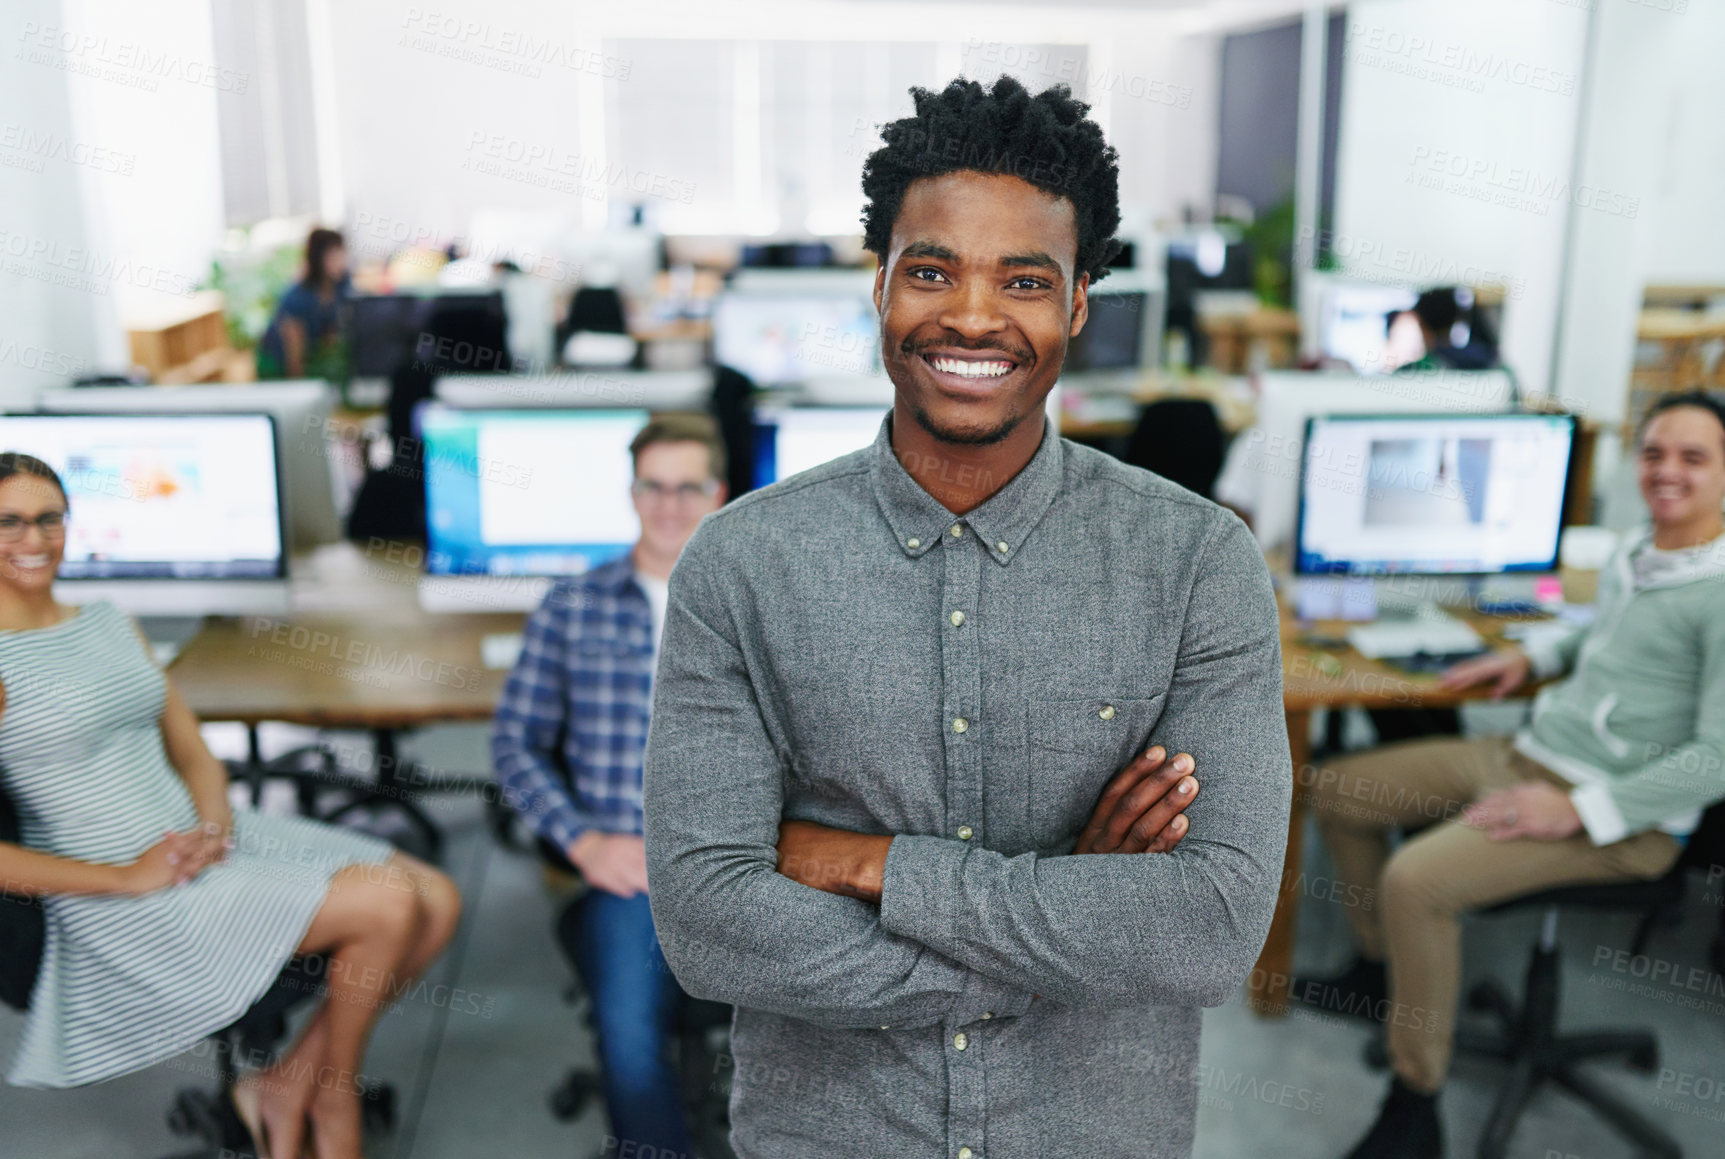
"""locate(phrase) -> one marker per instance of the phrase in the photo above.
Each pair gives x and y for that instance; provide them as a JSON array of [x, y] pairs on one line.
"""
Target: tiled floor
[[472, 1070]]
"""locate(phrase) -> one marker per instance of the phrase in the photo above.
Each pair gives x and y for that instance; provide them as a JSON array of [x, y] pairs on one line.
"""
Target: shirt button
[[966, 1153], [913, 542], [987, 1014], [957, 530], [957, 618], [960, 1041], [965, 832], [1107, 712], [960, 724], [1001, 546]]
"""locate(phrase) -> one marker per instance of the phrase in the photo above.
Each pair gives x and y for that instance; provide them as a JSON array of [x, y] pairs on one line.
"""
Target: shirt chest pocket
[[1073, 746]]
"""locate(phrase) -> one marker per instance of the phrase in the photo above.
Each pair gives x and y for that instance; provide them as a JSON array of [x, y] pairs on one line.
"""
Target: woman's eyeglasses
[[52, 525]]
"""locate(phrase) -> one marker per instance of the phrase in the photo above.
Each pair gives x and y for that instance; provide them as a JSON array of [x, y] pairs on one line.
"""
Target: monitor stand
[[1421, 597], [168, 634]]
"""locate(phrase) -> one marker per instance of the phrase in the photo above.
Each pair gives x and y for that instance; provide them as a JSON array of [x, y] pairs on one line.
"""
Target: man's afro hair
[[1043, 139]]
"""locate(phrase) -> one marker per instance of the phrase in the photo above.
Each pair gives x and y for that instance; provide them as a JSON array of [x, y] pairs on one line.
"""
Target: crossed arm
[[961, 931], [1140, 811]]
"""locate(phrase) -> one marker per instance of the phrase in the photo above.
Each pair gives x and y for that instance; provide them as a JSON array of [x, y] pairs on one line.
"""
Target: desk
[[1314, 678], [355, 651]]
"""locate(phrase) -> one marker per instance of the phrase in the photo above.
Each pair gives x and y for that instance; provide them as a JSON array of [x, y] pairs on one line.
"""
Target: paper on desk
[[500, 649]]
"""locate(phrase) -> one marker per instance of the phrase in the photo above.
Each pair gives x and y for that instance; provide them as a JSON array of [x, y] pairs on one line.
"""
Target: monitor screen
[[1432, 494], [444, 333], [1355, 326], [783, 338], [184, 496], [527, 492], [1113, 334], [793, 439]]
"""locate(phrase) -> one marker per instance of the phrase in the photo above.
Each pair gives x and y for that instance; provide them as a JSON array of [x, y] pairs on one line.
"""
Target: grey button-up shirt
[[840, 648]]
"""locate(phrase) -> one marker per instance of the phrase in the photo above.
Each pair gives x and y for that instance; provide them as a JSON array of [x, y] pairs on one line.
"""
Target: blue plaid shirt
[[572, 723]]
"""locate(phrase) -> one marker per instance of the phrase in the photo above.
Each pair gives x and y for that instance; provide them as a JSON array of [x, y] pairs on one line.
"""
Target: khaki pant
[[1418, 895]]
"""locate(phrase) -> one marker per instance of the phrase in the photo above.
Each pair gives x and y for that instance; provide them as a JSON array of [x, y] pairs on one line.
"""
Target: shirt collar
[[919, 521], [612, 577]]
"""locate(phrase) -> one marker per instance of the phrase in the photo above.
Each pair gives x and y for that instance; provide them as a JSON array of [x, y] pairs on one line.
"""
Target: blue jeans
[[634, 1002]]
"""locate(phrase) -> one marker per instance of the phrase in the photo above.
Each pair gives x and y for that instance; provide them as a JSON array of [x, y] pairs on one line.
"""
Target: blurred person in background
[[305, 336], [567, 748], [1605, 782], [168, 914]]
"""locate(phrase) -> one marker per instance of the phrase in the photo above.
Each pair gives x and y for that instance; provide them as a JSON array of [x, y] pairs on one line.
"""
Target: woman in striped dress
[[167, 915]]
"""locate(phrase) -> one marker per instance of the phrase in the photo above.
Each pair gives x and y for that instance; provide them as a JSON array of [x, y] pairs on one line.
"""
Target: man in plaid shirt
[[567, 746]]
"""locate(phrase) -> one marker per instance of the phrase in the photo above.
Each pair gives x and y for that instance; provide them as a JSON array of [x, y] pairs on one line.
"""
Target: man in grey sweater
[[893, 689]]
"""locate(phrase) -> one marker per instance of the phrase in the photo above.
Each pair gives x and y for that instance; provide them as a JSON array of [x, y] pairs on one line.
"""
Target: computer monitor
[[445, 332], [169, 514], [511, 493], [1123, 331], [1432, 494], [787, 254], [783, 334], [301, 409], [1261, 472], [1354, 324], [789, 440]]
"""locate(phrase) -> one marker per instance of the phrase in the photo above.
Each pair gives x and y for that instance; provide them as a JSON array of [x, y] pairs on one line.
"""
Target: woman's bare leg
[[439, 912], [365, 929], [288, 1088]]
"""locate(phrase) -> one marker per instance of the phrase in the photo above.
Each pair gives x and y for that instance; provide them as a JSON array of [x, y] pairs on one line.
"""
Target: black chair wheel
[[379, 1107], [178, 1121], [1644, 1059], [571, 1098]]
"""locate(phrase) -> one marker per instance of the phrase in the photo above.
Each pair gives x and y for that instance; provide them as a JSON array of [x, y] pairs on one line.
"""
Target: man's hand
[[835, 860], [1535, 809], [613, 862], [1505, 671], [1140, 811]]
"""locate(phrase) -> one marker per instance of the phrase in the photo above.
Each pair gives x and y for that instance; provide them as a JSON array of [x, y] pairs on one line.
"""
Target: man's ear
[[1080, 303], [879, 286]]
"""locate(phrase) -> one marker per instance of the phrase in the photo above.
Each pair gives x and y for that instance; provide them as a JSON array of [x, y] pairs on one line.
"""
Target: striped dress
[[128, 981]]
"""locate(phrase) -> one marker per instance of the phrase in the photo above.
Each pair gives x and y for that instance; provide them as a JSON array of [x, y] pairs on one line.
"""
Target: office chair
[[733, 408], [598, 309], [696, 1025], [1527, 1036], [205, 1115], [1181, 440]]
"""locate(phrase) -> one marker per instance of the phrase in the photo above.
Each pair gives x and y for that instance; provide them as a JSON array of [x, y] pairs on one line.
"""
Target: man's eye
[[1028, 284], [921, 270]]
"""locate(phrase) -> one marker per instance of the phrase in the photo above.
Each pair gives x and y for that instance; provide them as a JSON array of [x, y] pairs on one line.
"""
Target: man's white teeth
[[30, 560], [967, 369]]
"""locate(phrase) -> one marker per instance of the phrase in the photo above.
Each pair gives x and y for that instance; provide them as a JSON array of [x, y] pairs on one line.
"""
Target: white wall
[[1457, 129], [436, 115], [57, 319], [1636, 89], [144, 83], [1686, 197]]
